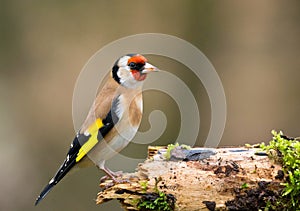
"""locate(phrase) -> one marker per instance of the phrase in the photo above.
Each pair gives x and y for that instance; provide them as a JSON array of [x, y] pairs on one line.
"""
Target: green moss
[[144, 185], [245, 186], [169, 150], [157, 200], [286, 151]]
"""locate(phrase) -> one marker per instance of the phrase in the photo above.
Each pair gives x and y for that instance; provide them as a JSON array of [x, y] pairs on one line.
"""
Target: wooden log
[[198, 178]]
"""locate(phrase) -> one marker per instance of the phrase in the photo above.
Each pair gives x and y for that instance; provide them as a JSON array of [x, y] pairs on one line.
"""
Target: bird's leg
[[110, 174]]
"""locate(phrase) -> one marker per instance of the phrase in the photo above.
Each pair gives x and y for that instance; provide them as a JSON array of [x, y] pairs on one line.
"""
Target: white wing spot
[[51, 181]]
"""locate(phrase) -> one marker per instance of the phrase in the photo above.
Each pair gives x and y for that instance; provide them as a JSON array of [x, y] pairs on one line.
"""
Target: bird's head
[[131, 70]]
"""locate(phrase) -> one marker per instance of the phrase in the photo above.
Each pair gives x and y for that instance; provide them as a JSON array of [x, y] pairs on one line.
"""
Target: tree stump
[[199, 179]]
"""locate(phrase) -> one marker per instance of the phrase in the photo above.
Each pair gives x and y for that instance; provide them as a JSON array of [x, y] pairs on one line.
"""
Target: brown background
[[254, 46]]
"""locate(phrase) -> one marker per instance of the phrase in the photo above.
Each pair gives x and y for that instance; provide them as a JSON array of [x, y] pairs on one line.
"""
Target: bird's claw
[[113, 176]]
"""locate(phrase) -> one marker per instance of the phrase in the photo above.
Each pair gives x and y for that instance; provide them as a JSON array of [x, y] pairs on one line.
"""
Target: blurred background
[[254, 46]]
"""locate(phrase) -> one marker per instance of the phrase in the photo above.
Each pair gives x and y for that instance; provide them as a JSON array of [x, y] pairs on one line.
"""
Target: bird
[[112, 121]]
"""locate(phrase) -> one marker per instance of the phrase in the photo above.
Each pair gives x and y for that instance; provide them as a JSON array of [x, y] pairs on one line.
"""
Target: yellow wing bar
[[87, 146]]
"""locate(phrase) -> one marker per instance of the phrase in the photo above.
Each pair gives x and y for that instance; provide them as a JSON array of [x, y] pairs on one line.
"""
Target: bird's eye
[[132, 65]]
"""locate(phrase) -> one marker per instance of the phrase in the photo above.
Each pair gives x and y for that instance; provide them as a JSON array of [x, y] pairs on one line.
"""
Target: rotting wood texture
[[206, 183]]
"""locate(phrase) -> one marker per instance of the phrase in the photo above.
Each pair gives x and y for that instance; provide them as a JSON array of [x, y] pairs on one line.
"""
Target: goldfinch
[[112, 121]]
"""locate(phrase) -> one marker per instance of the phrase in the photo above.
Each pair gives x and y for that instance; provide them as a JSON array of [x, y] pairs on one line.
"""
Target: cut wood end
[[195, 184]]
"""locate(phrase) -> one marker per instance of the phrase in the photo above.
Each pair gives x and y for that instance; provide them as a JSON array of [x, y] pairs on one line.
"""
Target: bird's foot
[[117, 173], [108, 181], [114, 179], [113, 176]]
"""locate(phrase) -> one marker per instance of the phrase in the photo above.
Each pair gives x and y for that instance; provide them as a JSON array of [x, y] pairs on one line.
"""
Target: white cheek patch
[[127, 79], [125, 75]]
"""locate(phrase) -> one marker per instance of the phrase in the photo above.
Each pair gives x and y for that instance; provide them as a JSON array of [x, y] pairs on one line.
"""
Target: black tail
[[44, 193], [63, 170], [69, 162]]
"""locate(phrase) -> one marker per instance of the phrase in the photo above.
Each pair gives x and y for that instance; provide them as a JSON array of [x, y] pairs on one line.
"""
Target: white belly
[[106, 149]]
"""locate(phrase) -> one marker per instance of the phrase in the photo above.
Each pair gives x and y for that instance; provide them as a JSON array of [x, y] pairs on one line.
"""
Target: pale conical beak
[[149, 68]]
